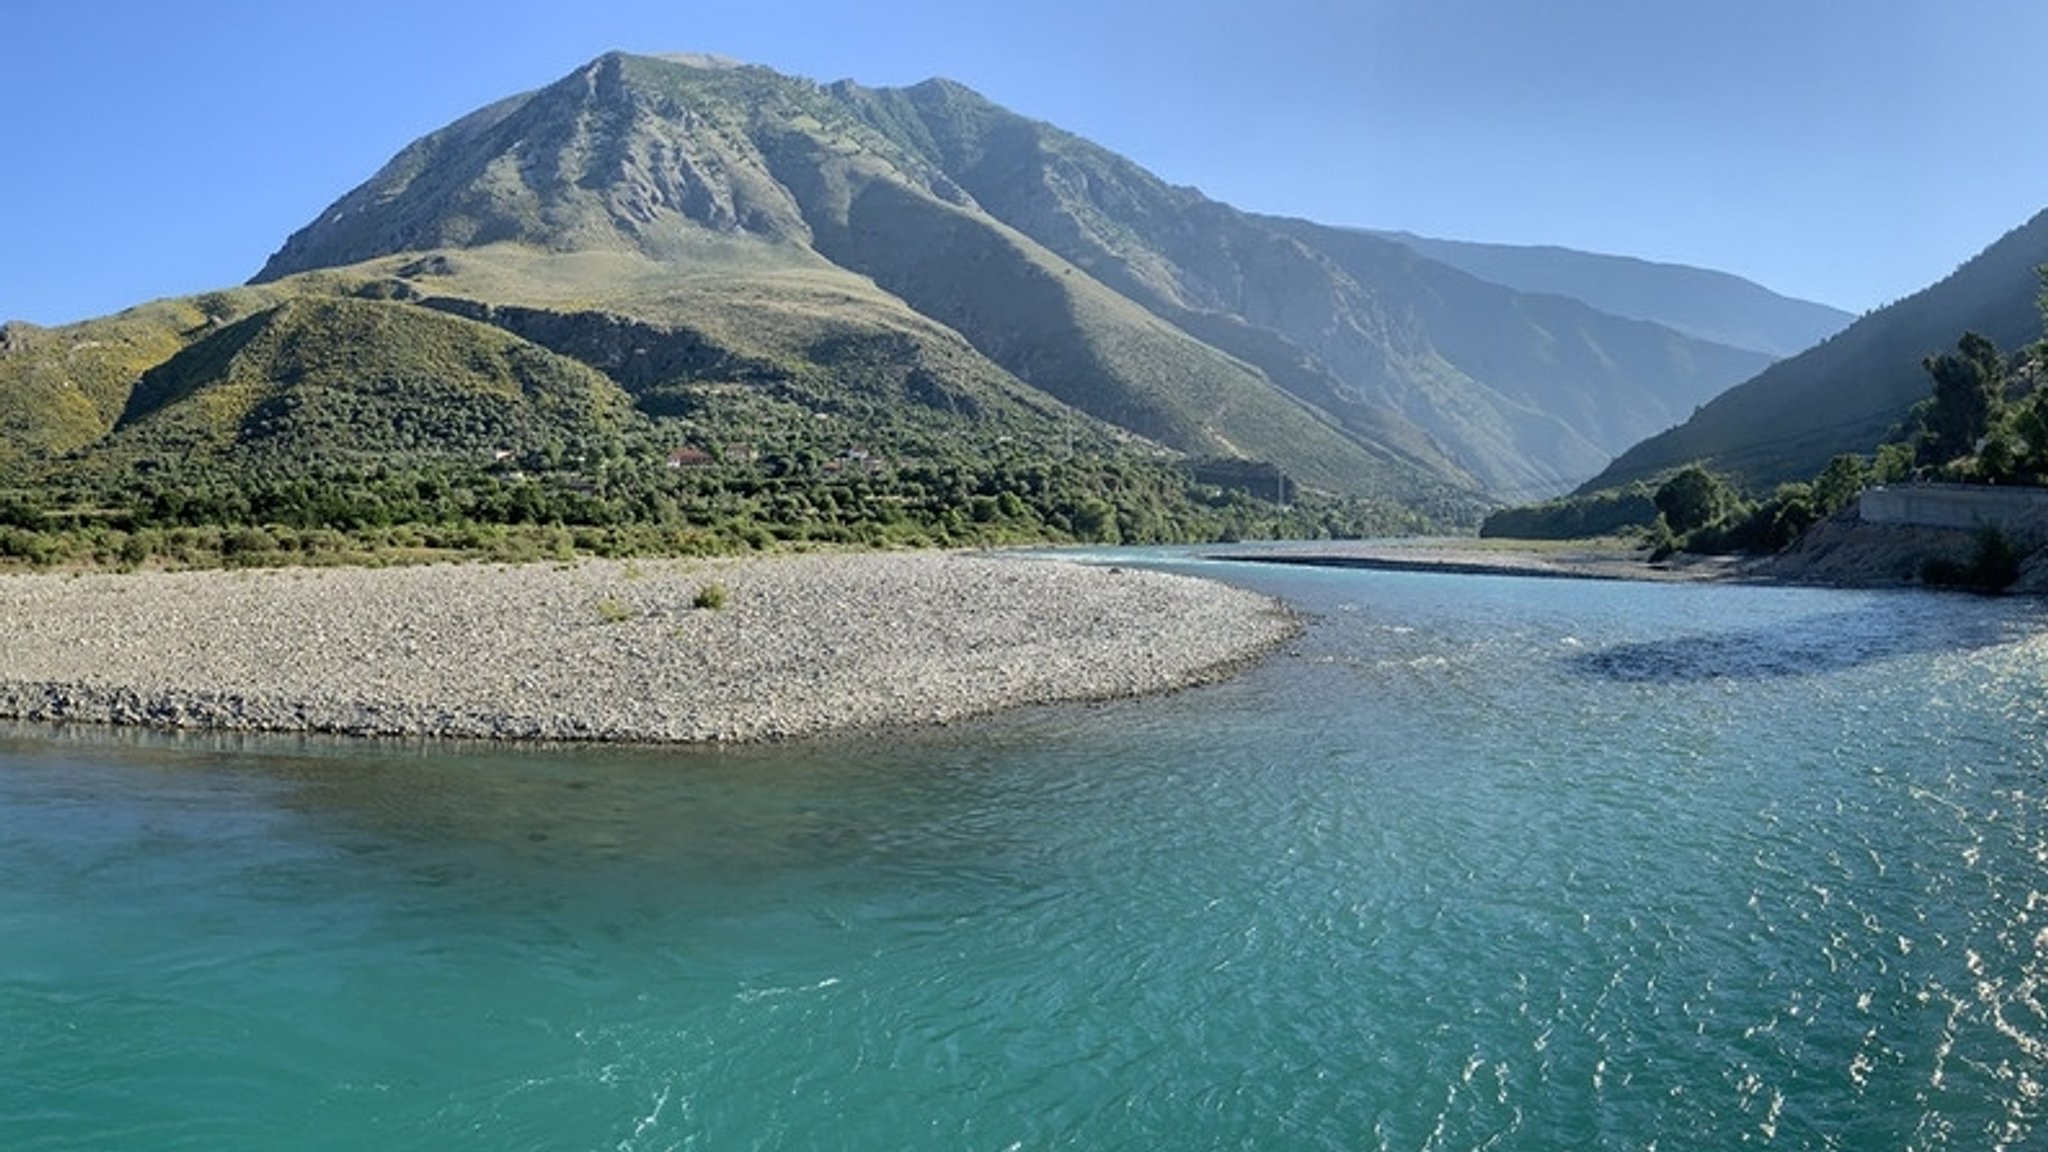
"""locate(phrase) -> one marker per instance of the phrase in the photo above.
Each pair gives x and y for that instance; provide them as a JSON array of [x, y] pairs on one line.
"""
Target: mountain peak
[[709, 61]]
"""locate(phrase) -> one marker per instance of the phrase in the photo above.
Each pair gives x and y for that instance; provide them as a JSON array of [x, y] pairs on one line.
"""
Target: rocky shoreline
[[1843, 552], [615, 650], [1458, 555]]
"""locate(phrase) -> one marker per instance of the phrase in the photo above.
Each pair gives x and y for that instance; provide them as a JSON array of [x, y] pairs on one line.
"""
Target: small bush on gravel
[[711, 596]]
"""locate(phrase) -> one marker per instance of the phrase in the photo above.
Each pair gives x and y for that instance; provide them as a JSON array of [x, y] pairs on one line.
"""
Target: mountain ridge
[[1716, 306]]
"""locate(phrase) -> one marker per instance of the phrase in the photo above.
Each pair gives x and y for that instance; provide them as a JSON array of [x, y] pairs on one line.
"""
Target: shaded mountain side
[[1212, 272], [1712, 306], [1303, 376], [667, 367], [846, 386], [1846, 394], [640, 356], [1339, 332], [1061, 331]]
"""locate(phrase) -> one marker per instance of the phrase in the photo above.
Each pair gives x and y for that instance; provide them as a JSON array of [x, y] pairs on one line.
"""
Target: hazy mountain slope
[[1845, 394], [1713, 306], [1200, 265], [1212, 272], [1562, 368]]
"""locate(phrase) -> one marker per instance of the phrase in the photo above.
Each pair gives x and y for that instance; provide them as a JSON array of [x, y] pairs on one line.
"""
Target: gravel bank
[[606, 650]]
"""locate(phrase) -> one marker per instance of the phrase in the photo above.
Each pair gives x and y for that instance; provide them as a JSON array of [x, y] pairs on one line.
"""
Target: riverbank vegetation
[[1983, 421], [395, 513]]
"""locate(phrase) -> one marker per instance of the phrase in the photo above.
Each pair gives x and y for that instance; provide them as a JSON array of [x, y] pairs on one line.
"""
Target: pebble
[[615, 650]]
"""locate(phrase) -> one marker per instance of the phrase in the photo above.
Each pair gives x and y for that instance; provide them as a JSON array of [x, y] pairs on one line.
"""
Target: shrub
[[710, 597], [1992, 567], [1660, 540]]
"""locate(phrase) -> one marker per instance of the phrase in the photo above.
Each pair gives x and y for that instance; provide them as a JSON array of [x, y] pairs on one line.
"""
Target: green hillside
[[320, 381], [1846, 394], [355, 415], [63, 388]]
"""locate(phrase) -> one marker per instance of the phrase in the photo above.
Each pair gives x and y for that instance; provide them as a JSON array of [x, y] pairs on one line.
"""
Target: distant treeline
[[525, 509]]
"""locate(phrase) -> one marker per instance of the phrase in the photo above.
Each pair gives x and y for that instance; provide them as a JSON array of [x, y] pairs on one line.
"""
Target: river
[[1478, 862]]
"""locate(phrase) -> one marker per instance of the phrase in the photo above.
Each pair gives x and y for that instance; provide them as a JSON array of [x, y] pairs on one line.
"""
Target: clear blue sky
[[1848, 152]]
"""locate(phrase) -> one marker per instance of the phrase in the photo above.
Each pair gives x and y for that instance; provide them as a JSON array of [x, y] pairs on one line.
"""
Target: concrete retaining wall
[[1954, 506]]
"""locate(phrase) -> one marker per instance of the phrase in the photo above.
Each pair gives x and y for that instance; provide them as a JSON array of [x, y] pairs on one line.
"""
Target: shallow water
[[1477, 863]]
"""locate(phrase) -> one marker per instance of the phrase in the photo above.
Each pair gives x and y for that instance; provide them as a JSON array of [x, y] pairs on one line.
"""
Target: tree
[[1793, 509], [1969, 388], [2029, 424], [1894, 463], [1694, 498], [1839, 483]]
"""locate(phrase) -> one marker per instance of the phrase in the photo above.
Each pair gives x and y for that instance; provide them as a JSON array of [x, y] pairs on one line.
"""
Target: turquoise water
[[1478, 863]]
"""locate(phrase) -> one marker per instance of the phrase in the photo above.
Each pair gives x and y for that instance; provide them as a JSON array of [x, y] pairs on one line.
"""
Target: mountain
[[1713, 306], [1146, 305], [729, 196], [1845, 394]]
